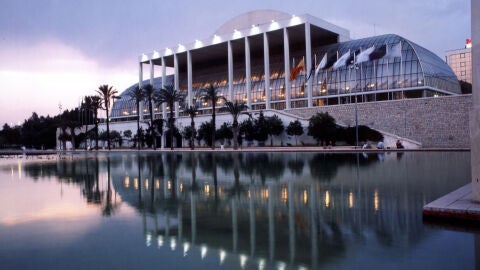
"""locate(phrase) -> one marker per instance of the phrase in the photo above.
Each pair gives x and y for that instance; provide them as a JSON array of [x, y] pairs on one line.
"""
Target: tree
[[205, 132], [295, 129], [169, 95], [235, 109], [247, 128], [106, 93], [137, 95], [192, 111], [96, 105], [90, 106], [322, 127], [261, 128], [128, 134], [224, 132], [212, 95], [188, 133], [274, 127], [148, 94]]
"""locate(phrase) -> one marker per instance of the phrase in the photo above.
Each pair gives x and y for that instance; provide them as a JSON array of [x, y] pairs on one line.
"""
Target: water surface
[[231, 211]]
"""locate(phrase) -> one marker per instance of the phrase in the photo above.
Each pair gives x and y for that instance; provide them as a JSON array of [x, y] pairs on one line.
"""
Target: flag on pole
[[321, 65], [296, 70], [394, 51], [342, 61], [378, 53], [364, 55]]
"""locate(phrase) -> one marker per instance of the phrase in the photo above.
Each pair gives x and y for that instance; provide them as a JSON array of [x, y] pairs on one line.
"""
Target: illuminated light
[[160, 241], [281, 266], [180, 48], [206, 189], [181, 187], [223, 254], [146, 184], [144, 57], [346, 88], [327, 198], [274, 25], [236, 34], [198, 44], [203, 251], [255, 30], [295, 20], [376, 201], [216, 39], [169, 185], [156, 54], [186, 247], [157, 184], [134, 111], [305, 197], [148, 239], [435, 95], [261, 264], [126, 182], [144, 110], [168, 51], [350, 200], [173, 244], [302, 268], [284, 195], [248, 193], [265, 193], [135, 183], [243, 260]]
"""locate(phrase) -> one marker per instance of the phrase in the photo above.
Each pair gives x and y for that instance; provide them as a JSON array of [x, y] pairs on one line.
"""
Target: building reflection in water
[[265, 210]]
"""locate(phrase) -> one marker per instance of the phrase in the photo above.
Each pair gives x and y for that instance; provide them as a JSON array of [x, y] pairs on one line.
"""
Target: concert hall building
[[276, 61]]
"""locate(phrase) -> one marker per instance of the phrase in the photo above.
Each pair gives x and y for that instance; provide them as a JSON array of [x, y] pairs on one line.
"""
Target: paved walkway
[[457, 204]]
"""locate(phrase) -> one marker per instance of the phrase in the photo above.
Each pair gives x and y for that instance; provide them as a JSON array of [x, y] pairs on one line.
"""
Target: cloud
[[41, 76]]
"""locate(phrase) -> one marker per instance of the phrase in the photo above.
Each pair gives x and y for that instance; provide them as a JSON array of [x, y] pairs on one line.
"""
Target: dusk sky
[[54, 52]]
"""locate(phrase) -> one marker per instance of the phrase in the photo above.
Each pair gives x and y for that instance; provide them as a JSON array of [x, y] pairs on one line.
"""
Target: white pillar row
[[248, 74], [286, 53], [164, 108], [308, 57], [140, 85], [176, 81], [266, 62], [230, 71]]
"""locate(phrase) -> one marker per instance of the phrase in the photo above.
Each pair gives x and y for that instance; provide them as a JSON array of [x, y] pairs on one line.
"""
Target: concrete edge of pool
[[457, 204]]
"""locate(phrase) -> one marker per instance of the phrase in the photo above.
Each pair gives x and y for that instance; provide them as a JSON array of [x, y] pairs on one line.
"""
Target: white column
[[189, 78], [271, 223], [230, 71], [177, 81], [266, 63], [475, 114], [252, 220], [164, 108], [248, 74], [308, 57], [152, 74], [286, 53], [140, 85]]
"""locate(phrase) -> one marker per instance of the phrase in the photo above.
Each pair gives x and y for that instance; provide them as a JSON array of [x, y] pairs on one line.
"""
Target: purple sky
[[54, 52]]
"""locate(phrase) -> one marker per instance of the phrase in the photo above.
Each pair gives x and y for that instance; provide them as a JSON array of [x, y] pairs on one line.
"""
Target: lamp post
[[355, 67]]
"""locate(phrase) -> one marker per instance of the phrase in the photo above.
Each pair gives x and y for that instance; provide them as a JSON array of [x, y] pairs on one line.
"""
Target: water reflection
[[266, 210]]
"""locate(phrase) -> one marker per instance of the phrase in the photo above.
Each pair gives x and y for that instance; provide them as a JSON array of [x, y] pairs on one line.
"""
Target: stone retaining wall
[[434, 122]]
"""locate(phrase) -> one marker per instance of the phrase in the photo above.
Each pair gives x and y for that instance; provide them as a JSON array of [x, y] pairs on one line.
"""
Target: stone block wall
[[441, 122]]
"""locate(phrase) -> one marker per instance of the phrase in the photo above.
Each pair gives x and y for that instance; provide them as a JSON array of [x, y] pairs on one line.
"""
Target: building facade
[[460, 61]]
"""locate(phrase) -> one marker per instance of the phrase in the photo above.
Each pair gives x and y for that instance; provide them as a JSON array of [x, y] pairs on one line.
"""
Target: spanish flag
[[296, 70]]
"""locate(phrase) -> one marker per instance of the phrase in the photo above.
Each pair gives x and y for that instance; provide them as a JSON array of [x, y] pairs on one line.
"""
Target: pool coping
[[457, 204]]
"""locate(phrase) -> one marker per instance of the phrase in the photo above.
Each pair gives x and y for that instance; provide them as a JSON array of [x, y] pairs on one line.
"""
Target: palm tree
[[169, 95], [192, 111], [235, 109], [137, 96], [212, 95], [96, 105], [148, 93], [106, 93]]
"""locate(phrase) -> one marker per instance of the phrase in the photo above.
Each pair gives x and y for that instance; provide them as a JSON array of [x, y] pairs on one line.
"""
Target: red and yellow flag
[[296, 70]]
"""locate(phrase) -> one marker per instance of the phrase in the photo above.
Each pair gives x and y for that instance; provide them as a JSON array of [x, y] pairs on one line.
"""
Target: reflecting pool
[[183, 210]]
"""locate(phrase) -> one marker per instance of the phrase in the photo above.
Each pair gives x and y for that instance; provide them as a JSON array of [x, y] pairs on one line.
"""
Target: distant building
[[460, 61]]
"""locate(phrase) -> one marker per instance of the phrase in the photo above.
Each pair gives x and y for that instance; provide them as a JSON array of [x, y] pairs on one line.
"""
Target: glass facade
[[416, 72]]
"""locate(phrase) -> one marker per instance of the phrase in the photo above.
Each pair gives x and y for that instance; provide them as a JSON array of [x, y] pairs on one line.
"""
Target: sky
[[54, 52]]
